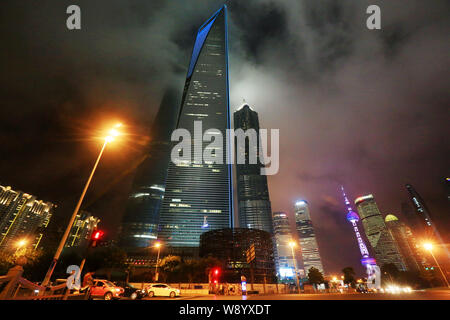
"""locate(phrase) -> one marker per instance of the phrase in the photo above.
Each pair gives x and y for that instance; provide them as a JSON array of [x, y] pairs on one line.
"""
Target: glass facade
[[307, 237], [429, 229], [407, 245], [252, 191], [230, 247], [283, 235], [198, 195], [381, 240], [140, 222]]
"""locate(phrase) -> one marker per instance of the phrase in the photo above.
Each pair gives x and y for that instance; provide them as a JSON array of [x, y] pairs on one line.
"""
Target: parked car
[[162, 290], [131, 292], [105, 289]]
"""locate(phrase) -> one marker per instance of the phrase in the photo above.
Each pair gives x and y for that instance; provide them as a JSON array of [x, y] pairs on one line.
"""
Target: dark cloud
[[367, 109]]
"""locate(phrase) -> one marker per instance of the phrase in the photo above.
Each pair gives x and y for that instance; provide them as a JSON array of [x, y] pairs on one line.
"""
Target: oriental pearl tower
[[368, 262]]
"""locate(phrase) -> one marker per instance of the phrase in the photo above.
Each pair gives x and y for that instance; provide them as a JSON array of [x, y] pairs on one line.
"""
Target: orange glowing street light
[[158, 246], [20, 244], [292, 244], [429, 247], [112, 134]]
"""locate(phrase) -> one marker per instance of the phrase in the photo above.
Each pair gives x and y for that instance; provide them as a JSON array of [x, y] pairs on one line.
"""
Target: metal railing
[[18, 288]]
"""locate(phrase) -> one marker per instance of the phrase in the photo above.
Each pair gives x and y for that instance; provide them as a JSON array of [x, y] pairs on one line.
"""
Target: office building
[[307, 237], [230, 246], [139, 226], [380, 239], [428, 227], [407, 245], [284, 259], [198, 192], [252, 191]]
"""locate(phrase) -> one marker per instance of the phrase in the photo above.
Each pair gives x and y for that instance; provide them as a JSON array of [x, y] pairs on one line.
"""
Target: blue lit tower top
[[353, 218]]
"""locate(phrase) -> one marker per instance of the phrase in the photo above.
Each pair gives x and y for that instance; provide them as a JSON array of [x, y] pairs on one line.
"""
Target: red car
[[106, 290]]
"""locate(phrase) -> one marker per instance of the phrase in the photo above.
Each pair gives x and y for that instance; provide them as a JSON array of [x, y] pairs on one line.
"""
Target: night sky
[[368, 109]]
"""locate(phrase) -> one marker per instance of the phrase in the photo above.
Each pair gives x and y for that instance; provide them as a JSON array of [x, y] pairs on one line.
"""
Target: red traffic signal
[[216, 271], [97, 235]]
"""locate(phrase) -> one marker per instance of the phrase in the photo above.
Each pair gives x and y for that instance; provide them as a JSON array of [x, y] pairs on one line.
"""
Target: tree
[[315, 276], [349, 276], [168, 265], [8, 259]]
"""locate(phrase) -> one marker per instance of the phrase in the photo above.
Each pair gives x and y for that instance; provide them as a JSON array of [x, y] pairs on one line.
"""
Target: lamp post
[[429, 247], [292, 245], [111, 135], [158, 246]]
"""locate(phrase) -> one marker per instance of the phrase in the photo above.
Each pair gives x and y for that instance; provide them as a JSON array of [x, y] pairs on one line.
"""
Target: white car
[[162, 290]]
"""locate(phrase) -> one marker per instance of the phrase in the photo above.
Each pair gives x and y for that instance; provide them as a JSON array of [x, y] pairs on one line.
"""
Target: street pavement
[[415, 295]]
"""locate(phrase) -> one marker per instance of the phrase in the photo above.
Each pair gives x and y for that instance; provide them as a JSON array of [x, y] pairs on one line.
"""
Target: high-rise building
[[406, 243], [252, 192], [140, 222], [429, 229], [198, 194], [22, 217], [411, 217], [81, 231], [283, 255], [381, 240], [230, 246], [307, 237]]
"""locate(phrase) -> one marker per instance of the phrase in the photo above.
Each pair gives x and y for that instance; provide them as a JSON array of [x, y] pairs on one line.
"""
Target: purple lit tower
[[353, 218]]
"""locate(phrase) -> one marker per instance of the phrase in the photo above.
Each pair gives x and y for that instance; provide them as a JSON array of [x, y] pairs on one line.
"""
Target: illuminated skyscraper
[[140, 221], [198, 196], [81, 231], [283, 235], [307, 237], [252, 192], [429, 229], [22, 216], [381, 240], [406, 243]]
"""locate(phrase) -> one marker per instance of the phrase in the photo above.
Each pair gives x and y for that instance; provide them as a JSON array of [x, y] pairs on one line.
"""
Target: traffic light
[[96, 237], [215, 275]]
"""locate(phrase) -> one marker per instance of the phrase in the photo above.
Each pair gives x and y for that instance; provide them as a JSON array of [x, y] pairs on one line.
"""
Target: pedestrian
[[88, 279]]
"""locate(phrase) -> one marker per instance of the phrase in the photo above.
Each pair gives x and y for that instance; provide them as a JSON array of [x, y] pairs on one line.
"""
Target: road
[[415, 295]]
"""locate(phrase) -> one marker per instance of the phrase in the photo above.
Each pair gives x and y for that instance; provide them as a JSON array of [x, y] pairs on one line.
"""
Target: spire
[[353, 218]]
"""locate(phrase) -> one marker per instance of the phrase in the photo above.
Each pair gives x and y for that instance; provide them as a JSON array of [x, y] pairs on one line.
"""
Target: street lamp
[[158, 246], [20, 244], [292, 245], [112, 134], [429, 247]]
